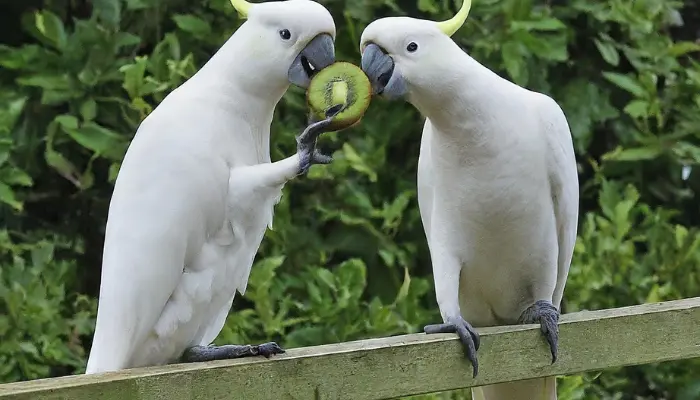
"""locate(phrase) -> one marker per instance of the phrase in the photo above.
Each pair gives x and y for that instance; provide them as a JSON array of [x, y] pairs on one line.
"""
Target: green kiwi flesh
[[343, 86]]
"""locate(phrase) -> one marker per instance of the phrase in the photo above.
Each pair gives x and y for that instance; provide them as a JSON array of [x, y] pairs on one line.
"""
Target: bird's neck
[[243, 63], [238, 80], [464, 100]]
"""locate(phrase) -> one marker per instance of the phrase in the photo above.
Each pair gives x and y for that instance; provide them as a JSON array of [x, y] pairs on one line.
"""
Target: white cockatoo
[[196, 192], [497, 186]]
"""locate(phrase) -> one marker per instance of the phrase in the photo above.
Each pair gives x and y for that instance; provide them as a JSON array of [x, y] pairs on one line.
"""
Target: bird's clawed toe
[[306, 144], [268, 349], [544, 313], [230, 351], [467, 335]]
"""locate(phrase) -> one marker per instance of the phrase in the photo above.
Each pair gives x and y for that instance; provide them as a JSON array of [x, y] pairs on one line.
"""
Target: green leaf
[[681, 48], [326, 277], [15, 176], [694, 75], [307, 336], [67, 121], [108, 11], [7, 196], [545, 24], [55, 159], [88, 110], [49, 82], [513, 61], [142, 4], [357, 163], [626, 82], [42, 253], [549, 48], [21, 58], [686, 152], [388, 257], [680, 234], [126, 39], [192, 24], [133, 76], [403, 291], [29, 348], [637, 109], [87, 179], [634, 154], [56, 97], [13, 106], [113, 172], [428, 6], [99, 139], [50, 27], [64, 167], [4, 156], [393, 212], [353, 273], [608, 52], [314, 292]]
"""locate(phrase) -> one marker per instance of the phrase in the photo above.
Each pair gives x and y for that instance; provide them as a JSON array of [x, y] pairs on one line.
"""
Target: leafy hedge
[[347, 258]]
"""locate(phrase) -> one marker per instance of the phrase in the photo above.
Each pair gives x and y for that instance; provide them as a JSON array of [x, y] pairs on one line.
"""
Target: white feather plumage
[[497, 183], [194, 195]]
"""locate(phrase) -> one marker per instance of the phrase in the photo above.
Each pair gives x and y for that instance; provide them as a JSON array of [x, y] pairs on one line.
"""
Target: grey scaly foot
[[306, 143], [544, 313], [231, 351], [467, 335]]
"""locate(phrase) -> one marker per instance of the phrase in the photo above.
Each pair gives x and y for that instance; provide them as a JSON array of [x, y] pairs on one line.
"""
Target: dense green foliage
[[347, 258]]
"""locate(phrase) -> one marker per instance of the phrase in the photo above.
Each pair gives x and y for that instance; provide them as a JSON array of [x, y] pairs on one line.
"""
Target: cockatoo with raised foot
[[196, 192], [497, 186]]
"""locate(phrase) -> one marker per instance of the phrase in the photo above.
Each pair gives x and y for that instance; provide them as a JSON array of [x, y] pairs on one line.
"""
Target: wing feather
[[563, 176], [163, 201]]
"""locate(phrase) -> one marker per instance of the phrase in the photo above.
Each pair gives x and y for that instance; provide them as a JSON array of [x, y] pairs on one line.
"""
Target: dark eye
[[285, 34], [412, 47]]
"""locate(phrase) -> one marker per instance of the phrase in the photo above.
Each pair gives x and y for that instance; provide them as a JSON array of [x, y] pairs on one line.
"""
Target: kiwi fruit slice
[[341, 88]]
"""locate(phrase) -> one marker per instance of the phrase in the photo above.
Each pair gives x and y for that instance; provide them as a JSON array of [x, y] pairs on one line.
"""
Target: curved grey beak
[[318, 54], [385, 78]]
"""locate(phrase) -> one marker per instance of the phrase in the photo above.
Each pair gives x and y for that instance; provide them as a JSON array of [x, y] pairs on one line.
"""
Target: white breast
[[497, 218]]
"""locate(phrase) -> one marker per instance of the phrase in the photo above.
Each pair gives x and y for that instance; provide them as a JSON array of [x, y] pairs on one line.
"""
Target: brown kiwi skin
[[341, 123]]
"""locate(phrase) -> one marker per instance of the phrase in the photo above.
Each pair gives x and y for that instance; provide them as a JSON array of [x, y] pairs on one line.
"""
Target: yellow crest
[[451, 26], [242, 6]]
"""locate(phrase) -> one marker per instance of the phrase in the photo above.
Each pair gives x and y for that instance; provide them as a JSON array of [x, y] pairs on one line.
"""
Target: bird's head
[[294, 38], [401, 53]]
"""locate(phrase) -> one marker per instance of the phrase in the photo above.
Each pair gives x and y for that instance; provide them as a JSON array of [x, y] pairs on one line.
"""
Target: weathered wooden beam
[[401, 365]]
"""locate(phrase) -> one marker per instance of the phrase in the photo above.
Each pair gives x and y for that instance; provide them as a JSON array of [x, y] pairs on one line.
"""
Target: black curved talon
[[333, 111], [231, 351], [467, 335], [544, 313]]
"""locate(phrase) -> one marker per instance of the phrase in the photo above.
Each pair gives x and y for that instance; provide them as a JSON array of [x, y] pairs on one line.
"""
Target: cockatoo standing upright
[[197, 189], [497, 186]]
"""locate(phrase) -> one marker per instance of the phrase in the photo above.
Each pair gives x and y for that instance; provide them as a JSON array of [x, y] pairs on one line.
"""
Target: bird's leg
[[446, 271], [306, 142], [544, 313], [279, 172], [227, 352]]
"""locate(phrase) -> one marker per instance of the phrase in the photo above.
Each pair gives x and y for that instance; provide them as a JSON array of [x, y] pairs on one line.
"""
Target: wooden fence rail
[[401, 365]]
